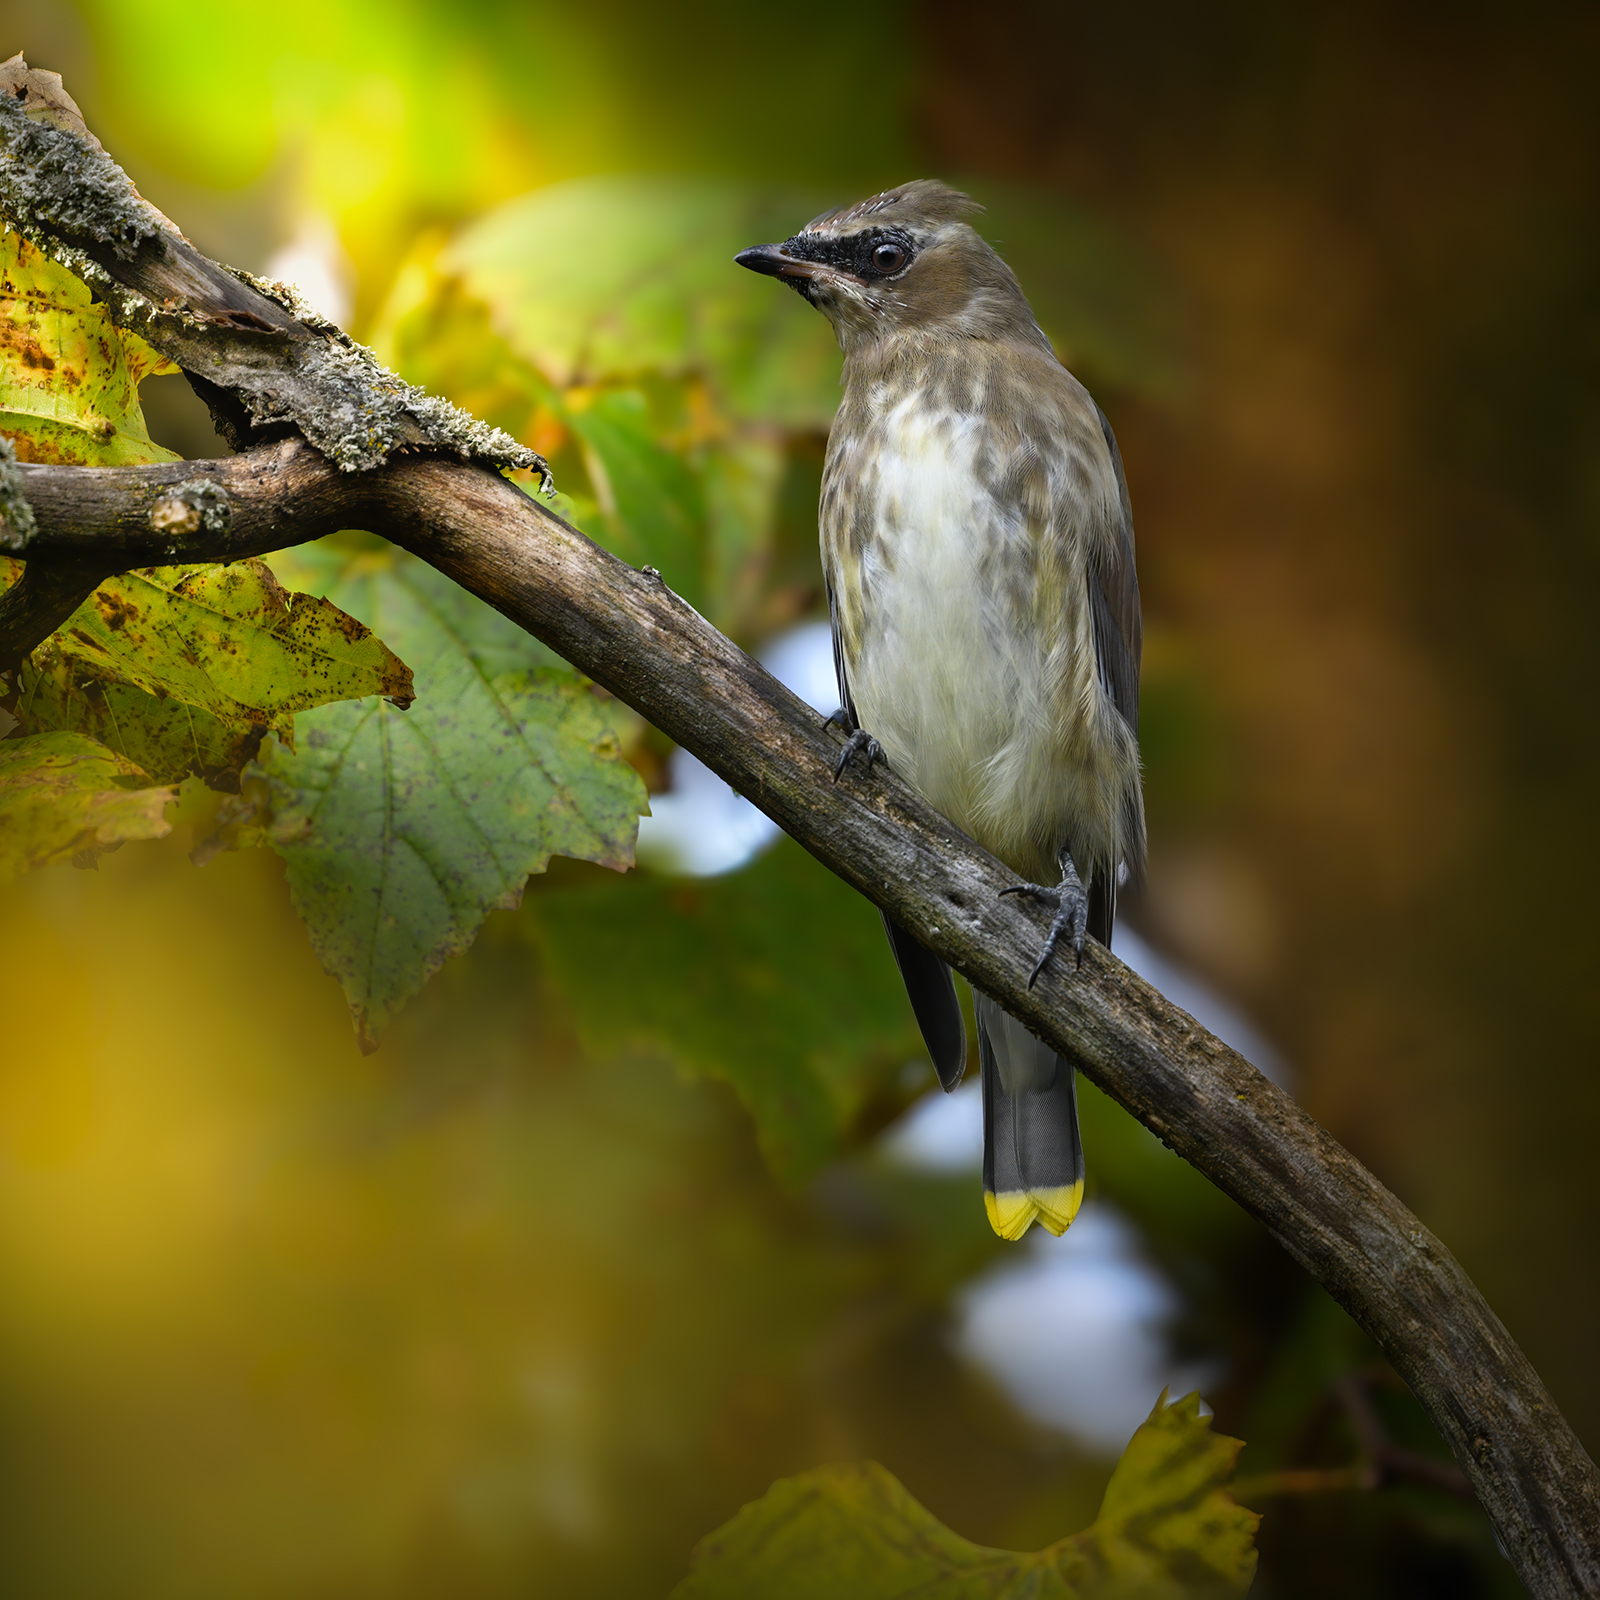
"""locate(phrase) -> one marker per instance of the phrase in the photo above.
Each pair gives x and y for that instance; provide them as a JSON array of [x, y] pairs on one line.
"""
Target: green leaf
[[775, 980], [64, 796], [1167, 1530], [403, 830], [184, 669], [608, 278], [1168, 1525], [851, 1533], [652, 507], [69, 378], [742, 483]]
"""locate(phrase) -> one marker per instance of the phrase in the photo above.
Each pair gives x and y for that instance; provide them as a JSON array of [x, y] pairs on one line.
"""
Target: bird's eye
[[888, 258]]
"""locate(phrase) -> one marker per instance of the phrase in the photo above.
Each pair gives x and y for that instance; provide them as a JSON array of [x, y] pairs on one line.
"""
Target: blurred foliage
[[63, 797], [770, 980], [604, 319], [615, 278], [475, 1314], [1167, 1530]]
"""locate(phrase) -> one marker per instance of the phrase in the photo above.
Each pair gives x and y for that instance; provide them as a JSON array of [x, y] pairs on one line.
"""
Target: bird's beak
[[771, 260]]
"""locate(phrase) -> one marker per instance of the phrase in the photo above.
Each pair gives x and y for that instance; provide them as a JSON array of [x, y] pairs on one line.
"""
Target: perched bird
[[977, 543]]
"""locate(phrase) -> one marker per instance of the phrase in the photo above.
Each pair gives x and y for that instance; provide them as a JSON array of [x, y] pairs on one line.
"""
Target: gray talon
[[1071, 901], [859, 741], [856, 741]]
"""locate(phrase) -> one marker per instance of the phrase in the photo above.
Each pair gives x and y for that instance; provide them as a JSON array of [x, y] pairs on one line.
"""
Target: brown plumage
[[978, 547]]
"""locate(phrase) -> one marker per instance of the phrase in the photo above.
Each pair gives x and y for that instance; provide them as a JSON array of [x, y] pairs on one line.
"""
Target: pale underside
[[957, 552]]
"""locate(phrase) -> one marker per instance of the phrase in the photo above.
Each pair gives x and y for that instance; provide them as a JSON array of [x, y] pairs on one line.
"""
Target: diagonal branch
[[632, 634], [629, 632]]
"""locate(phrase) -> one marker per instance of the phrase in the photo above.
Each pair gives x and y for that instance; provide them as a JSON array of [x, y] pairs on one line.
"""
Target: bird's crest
[[925, 202]]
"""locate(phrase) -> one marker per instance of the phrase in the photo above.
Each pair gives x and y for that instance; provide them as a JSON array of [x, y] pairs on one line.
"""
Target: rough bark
[[264, 361], [632, 634]]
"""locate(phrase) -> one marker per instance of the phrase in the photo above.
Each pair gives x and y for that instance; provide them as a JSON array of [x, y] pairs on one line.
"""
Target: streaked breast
[[963, 606]]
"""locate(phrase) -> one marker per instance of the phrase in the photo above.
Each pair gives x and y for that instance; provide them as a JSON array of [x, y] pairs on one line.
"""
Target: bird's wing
[[1114, 602], [929, 986], [839, 673], [1118, 644]]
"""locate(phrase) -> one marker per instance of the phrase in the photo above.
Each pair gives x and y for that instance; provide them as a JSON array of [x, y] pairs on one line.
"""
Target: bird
[[978, 556]]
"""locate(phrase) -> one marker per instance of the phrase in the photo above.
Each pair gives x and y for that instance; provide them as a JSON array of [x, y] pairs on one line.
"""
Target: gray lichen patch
[[55, 181], [289, 297], [358, 413], [193, 505], [249, 337], [16, 515]]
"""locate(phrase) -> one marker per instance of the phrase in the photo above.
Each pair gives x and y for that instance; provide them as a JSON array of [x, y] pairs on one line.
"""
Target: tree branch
[[46, 594], [632, 634], [280, 366], [629, 632]]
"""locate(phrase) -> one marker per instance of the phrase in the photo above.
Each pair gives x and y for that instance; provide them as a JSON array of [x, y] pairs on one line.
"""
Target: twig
[[1379, 1464]]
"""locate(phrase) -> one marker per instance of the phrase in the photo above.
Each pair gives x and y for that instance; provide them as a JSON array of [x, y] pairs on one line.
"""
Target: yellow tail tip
[[1011, 1214]]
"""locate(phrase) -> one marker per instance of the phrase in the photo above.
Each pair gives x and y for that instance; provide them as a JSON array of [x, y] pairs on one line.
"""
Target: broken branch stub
[[266, 364]]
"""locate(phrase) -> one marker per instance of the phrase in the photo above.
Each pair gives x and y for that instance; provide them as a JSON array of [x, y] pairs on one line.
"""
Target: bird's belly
[[974, 663]]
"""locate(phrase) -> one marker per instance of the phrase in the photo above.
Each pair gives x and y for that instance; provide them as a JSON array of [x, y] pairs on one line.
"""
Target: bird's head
[[904, 261]]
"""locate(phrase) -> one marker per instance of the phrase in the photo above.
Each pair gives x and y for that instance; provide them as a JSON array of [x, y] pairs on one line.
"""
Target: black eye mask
[[856, 253]]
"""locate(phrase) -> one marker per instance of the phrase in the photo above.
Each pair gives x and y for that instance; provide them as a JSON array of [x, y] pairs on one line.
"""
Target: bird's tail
[[1032, 1154], [933, 998]]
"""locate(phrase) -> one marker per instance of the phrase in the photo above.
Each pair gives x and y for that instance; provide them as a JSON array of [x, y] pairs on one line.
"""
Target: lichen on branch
[[56, 178], [265, 364]]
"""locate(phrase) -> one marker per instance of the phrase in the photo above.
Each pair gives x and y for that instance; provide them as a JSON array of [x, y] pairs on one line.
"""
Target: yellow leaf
[[69, 378], [185, 669], [63, 796], [1167, 1530]]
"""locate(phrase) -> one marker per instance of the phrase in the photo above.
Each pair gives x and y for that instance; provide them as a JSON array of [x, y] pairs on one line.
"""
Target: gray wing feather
[[1118, 645], [1114, 603], [840, 676]]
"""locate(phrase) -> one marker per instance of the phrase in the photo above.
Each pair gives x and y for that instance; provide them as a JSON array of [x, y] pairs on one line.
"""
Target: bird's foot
[[1071, 901], [857, 741]]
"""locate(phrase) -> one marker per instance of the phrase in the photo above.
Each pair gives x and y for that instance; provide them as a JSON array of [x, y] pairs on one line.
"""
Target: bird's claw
[[1071, 901], [860, 740], [856, 741]]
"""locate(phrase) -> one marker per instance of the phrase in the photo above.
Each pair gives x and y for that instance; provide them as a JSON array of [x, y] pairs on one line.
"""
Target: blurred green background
[[515, 1305]]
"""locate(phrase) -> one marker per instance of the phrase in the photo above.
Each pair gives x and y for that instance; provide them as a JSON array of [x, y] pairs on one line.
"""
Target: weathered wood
[[46, 594], [632, 634], [266, 364], [102, 520]]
